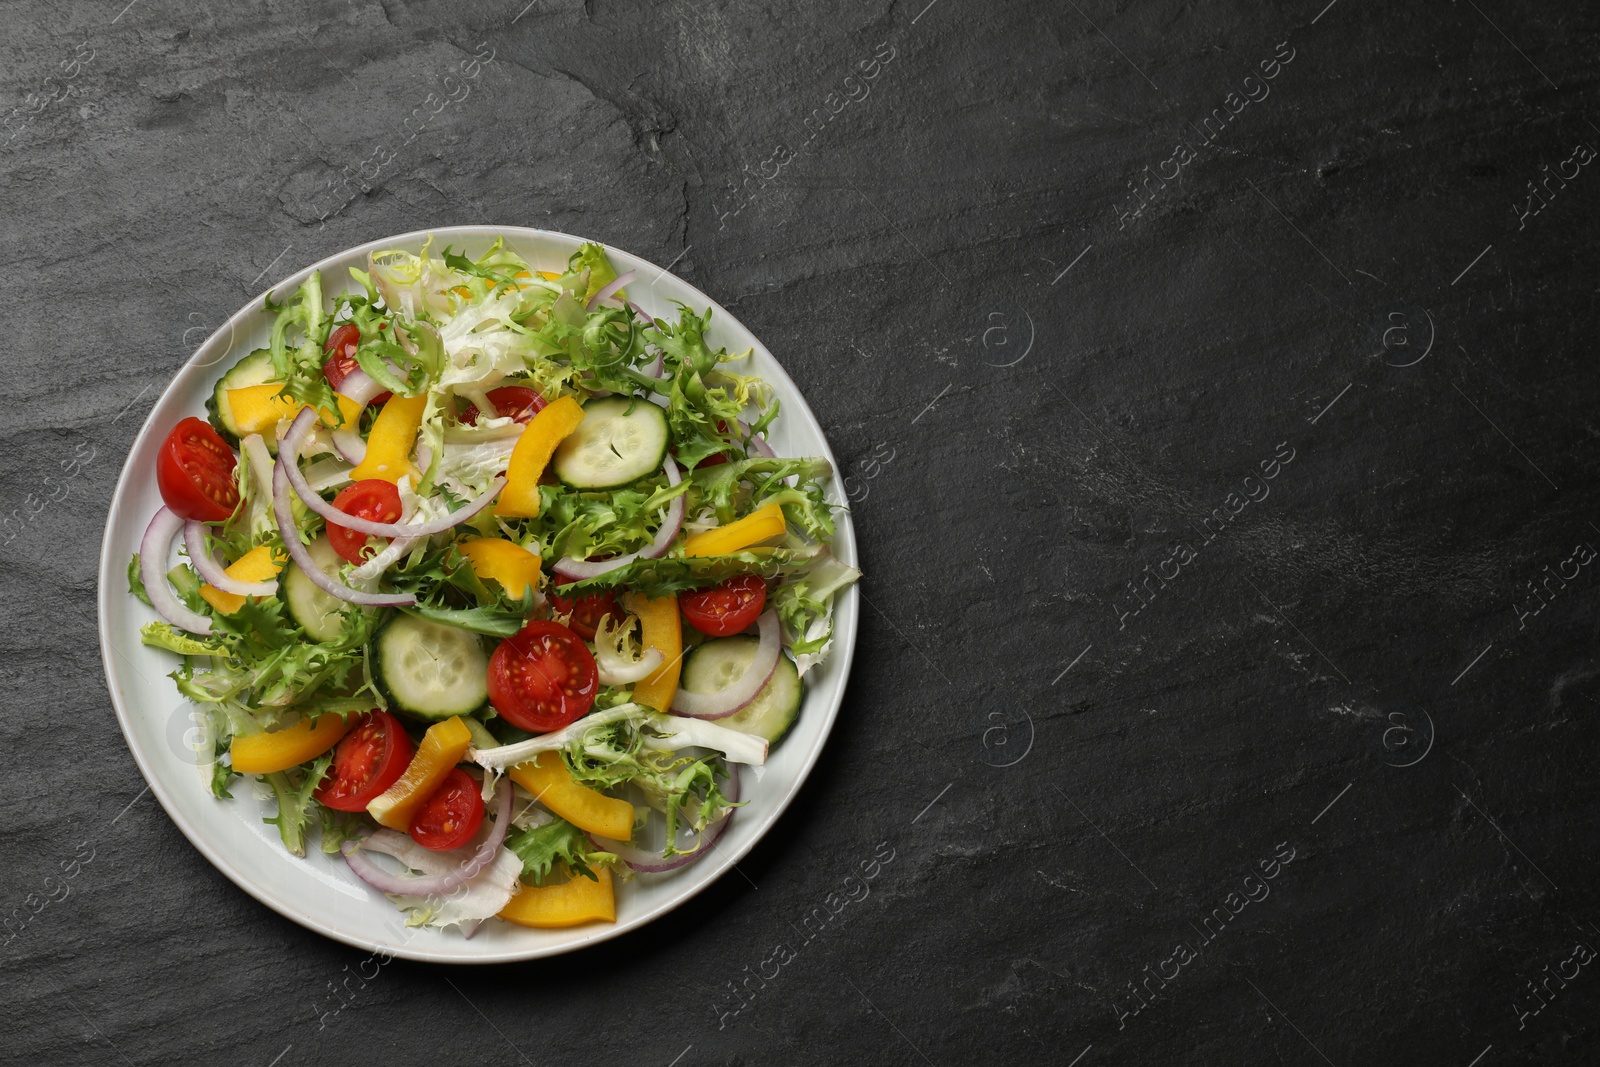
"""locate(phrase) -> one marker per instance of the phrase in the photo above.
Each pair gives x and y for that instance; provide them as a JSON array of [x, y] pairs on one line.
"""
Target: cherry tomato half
[[585, 612], [371, 498], [517, 401], [726, 608], [542, 678], [341, 362], [449, 817], [194, 471], [368, 760]]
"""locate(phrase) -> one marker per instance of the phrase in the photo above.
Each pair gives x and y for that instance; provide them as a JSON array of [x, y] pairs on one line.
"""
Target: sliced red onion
[[658, 862], [671, 523], [609, 289], [289, 462], [205, 565], [648, 321], [302, 556], [358, 386], [722, 704], [349, 444], [412, 885], [153, 553]]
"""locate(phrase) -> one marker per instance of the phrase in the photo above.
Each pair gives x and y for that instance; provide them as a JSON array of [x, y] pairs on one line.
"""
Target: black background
[[1036, 394]]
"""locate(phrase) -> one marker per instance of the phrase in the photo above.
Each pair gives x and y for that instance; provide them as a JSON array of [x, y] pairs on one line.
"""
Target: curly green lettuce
[[545, 849], [292, 789], [683, 788]]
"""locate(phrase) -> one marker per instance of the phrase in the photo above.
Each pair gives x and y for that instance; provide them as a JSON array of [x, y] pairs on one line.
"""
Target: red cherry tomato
[[585, 612], [372, 498], [368, 760], [342, 360], [194, 471], [542, 678], [449, 817], [517, 401], [727, 608]]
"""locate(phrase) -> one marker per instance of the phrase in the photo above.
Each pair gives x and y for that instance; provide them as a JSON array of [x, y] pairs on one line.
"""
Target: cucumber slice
[[715, 665], [619, 441], [254, 369], [320, 614], [429, 670]]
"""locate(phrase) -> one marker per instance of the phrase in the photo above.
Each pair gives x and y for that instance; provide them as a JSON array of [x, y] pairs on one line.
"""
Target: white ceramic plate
[[319, 892]]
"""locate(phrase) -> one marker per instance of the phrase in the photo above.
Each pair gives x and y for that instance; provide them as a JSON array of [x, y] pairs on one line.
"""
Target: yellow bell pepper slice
[[514, 567], [256, 565], [442, 748], [289, 747], [390, 442], [660, 627], [757, 528], [520, 498], [547, 778], [571, 903], [258, 408]]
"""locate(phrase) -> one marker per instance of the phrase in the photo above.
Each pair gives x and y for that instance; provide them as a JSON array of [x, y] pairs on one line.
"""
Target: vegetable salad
[[490, 581]]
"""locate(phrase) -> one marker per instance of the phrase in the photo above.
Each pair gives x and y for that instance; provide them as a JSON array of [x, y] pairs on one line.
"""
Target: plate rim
[[846, 616]]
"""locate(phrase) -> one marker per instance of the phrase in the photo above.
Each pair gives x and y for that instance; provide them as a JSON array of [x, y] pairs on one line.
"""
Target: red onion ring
[[429, 885], [205, 565], [289, 462], [671, 523], [284, 514], [609, 289], [639, 311], [153, 552], [755, 678], [658, 862], [359, 387]]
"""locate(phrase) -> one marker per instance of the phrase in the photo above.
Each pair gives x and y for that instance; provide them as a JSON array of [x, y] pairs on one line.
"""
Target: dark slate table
[[1215, 384]]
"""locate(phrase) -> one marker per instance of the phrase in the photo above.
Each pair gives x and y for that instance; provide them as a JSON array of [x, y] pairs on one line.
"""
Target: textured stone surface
[[1037, 395]]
